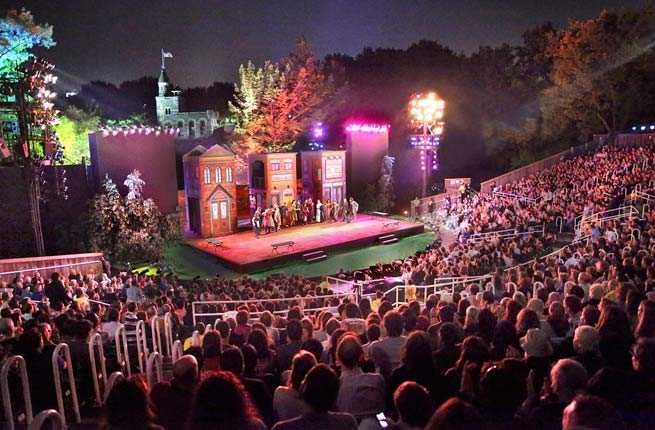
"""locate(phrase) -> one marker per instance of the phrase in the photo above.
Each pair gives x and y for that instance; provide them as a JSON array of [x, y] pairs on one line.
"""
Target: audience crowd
[[548, 340]]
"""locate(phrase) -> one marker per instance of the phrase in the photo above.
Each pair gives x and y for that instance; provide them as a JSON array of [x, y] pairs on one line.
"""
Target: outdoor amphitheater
[[415, 236]]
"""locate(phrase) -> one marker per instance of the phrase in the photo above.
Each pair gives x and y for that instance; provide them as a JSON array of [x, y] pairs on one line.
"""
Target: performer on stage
[[335, 211], [346, 210], [319, 210], [354, 207], [277, 217], [328, 210], [256, 221]]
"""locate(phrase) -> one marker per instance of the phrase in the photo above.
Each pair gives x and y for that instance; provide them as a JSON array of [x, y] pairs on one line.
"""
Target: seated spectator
[[319, 391], [222, 402], [386, 352], [592, 413], [455, 414], [414, 406], [172, 400], [286, 400], [287, 351], [360, 394], [232, 360], [418, 366], [567, 379], [127, 407], [585, 344]]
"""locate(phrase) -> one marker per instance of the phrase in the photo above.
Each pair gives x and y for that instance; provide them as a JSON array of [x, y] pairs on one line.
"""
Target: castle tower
[[166, 103]]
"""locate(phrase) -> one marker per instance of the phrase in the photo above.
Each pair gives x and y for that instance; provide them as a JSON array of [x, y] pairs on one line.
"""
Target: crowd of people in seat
[[566, 341]]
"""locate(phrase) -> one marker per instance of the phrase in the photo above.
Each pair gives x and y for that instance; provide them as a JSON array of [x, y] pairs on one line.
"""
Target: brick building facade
[[210, 190]]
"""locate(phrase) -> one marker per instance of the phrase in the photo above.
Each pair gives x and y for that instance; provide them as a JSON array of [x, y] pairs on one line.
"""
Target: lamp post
[[426, 111]]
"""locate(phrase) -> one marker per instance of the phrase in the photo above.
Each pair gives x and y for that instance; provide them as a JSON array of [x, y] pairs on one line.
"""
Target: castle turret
[[163, 82]]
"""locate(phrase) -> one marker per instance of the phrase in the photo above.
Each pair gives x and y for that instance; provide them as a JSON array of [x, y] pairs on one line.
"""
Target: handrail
[[243, 302], [156, 334], [51, 416], [63, 350], [604, 216], [141, 345], [507, 233], [111, 381], [195, 338], [168, 333], [122, 351], [56, 266], [95, 346], [7, 365], [177, 351], [515, 196], [155, 362]]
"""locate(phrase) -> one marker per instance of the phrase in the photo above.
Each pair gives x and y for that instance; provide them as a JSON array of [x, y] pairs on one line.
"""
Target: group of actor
[[296, 212]]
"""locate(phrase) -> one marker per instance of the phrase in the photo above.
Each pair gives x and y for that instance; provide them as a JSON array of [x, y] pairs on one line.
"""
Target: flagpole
[[163, 66]]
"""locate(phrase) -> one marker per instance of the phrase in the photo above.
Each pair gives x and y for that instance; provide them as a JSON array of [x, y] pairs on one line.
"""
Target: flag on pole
[[166, 54]]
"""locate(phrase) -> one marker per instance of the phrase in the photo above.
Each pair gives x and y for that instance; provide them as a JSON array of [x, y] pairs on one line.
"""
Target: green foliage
[[132, 120], [275, 104], [131, 228], [18, 35], [73, 131]]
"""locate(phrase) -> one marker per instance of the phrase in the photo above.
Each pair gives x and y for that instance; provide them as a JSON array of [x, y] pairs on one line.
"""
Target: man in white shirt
[[361, 394], [386, 353]]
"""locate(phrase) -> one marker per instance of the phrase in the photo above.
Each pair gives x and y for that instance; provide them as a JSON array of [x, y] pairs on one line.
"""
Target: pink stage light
[[367, 128]]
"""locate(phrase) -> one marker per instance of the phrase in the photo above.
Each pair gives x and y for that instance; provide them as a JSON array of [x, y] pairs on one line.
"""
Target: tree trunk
[[33, 196]]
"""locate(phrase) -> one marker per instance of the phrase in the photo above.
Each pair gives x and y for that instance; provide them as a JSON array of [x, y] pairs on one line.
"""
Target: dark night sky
[[116, 40]]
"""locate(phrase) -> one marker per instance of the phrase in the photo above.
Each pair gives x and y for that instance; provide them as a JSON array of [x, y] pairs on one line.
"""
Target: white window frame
[[208, 176], [219, 175]]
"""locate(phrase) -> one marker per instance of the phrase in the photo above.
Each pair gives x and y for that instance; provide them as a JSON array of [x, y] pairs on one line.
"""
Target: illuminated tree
[[73, 130], [274, 104], [595, 63], [18, 35], [287, 113], [129, 229]]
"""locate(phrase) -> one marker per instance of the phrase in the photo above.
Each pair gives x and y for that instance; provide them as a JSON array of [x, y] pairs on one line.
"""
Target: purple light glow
[[367, 128], [318, 130]]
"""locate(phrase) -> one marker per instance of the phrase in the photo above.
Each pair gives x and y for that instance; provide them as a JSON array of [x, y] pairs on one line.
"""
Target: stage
[[244, 253]]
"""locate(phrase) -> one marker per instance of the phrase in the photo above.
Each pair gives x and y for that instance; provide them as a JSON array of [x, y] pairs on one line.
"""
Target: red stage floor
[[244, 253]]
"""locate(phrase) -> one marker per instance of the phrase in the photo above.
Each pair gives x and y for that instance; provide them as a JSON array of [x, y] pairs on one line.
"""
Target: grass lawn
[[188, 262]]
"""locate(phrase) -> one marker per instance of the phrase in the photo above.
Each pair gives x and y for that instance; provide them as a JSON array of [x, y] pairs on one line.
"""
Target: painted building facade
[[324, 175], [272, 178], [210, 191]]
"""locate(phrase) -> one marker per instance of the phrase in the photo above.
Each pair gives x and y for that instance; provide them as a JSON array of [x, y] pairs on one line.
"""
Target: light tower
[[426, 111]]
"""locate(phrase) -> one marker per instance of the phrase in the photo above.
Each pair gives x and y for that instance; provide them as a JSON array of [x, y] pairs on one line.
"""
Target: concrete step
[[314, 256]]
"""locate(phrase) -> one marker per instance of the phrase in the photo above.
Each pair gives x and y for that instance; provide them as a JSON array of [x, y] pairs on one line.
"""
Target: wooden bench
[[394, 223], [215, 242], [288, 244]]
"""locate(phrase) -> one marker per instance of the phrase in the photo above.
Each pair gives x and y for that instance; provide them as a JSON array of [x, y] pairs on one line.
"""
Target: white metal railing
[[10, 363], [507, 233], [122, 350], [177, 351], [515, 196], [111, 381], [195, 339], [615, 214], [236, 303], [162, 343], [142, 350], [97, 356], [649, 198], [62, 354], [49, 419], [154, 369], [56, 266]]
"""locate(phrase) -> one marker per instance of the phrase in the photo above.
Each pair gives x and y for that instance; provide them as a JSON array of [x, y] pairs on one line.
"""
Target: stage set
[[218, 191], [243, 252]]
